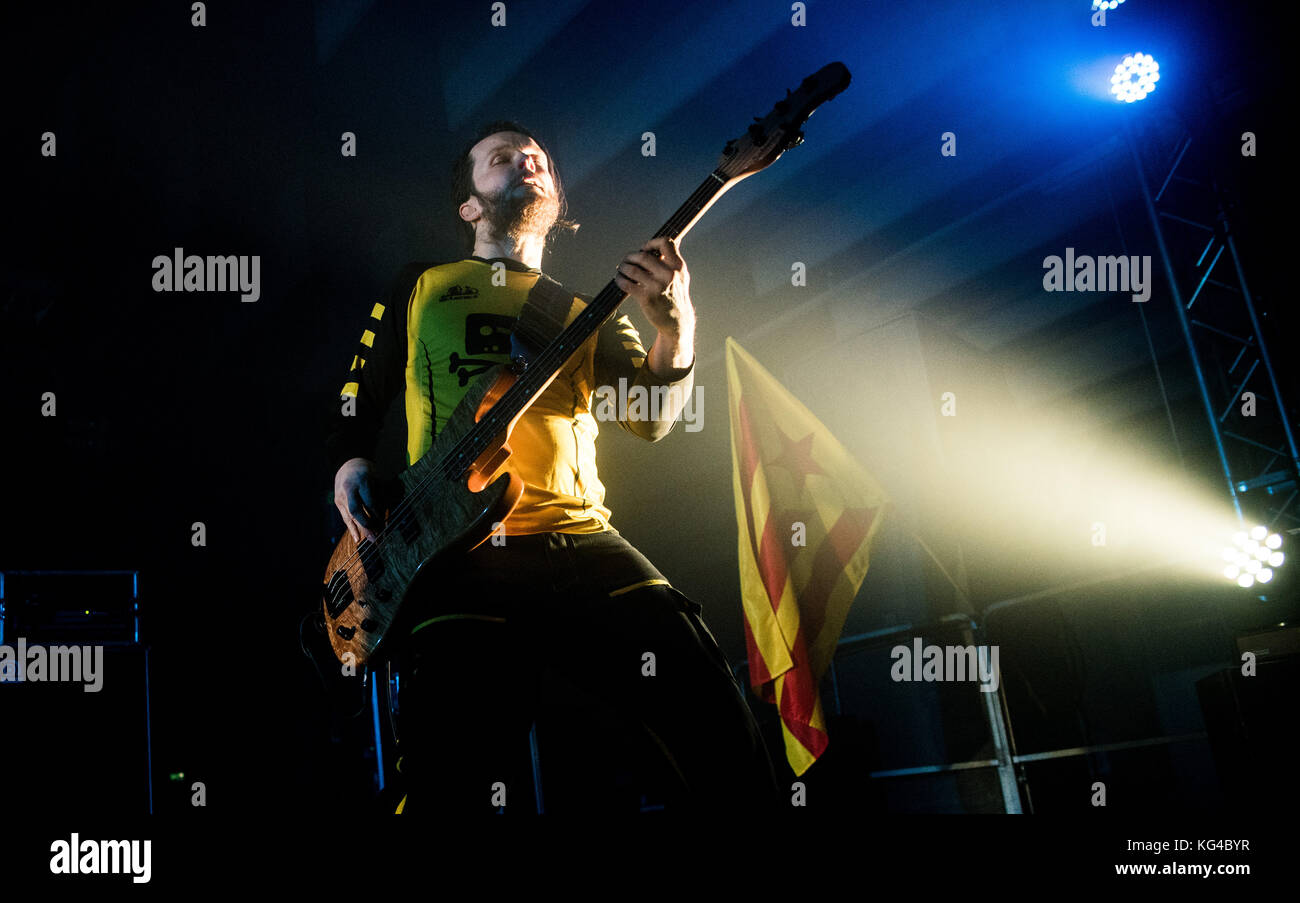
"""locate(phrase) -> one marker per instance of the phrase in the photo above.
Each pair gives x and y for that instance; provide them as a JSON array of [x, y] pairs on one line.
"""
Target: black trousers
[[593, 611]]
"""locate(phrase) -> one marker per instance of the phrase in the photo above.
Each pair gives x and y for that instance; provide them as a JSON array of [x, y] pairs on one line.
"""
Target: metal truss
[[1190, 213]]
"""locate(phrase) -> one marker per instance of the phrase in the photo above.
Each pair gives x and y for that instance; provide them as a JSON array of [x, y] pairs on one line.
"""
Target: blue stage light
[[1135, 77], [1106, 4]]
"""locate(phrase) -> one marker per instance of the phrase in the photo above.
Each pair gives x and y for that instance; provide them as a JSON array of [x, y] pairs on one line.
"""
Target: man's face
[[515, 189]]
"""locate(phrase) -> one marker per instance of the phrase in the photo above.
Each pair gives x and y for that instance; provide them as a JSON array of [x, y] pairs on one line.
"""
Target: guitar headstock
[[777, 132]]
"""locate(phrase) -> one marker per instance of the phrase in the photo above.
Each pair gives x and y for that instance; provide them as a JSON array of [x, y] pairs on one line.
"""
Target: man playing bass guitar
[[560, 588]]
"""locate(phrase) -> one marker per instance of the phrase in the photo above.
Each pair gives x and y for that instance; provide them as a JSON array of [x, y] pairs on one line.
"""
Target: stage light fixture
[[1252, 556], [1135, 77], [1106, 4]]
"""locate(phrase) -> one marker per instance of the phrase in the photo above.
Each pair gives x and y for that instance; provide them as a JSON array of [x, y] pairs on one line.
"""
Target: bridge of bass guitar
[[366, 582]]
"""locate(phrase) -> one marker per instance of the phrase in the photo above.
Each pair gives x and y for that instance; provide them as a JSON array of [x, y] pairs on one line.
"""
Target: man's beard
[[510, 213]]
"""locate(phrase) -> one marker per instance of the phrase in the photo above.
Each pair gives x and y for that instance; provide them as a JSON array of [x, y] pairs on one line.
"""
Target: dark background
[[183, 407]]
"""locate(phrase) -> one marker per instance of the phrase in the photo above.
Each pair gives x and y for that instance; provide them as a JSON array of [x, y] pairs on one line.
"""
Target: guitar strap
[[549, 308]]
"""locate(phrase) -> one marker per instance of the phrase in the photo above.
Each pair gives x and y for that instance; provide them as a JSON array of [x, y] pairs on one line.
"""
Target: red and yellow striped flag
[[807, 514]]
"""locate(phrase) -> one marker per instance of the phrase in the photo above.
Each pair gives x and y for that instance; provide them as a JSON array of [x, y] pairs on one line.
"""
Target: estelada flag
[[807, 514]]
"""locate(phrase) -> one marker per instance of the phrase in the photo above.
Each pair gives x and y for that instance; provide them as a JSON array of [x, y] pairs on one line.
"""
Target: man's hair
[[462, 179]]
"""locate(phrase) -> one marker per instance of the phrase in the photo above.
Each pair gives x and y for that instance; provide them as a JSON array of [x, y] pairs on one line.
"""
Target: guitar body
[[439, 518]]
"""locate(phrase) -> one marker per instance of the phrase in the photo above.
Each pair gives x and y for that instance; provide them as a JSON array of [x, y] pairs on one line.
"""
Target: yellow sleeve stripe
[[627, 589], [350, 390], [377, 312], [632, 346], [368, 339], [638, 361]]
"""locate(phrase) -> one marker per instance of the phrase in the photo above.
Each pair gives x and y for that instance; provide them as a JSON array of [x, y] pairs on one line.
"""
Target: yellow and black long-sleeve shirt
[[439, 328]]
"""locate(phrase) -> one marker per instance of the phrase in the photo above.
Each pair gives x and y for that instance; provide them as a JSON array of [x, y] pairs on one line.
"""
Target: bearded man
[[564, 591]]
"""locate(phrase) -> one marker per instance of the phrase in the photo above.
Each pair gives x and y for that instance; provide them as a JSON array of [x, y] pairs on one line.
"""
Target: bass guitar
[[449, 500]]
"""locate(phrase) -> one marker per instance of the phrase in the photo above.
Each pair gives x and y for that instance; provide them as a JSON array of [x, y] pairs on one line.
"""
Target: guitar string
[[443, 469]]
